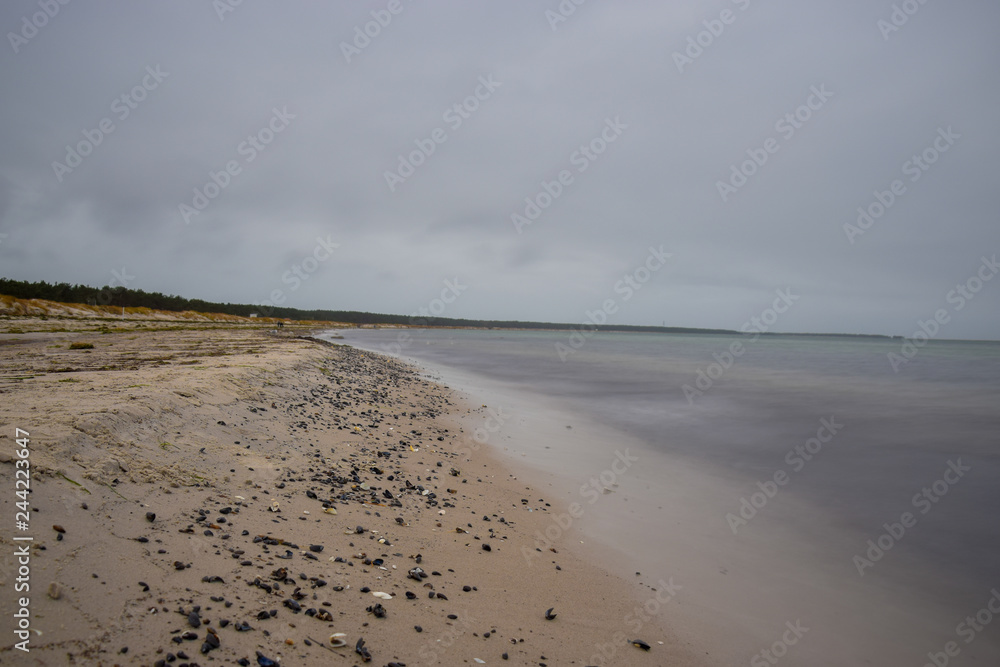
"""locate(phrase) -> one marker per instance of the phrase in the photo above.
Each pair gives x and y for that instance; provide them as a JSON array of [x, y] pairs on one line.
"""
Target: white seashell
[[382, 596], [441, 512], [330, 510], [337, 639]]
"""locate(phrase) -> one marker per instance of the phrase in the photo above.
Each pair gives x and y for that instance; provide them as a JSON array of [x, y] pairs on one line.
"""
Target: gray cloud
[[324, 174]]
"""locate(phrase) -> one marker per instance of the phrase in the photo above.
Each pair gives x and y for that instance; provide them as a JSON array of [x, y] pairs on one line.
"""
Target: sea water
[[778, 479]]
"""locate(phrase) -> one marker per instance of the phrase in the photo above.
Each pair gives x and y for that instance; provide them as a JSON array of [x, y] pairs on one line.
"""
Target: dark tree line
[[133, 298]]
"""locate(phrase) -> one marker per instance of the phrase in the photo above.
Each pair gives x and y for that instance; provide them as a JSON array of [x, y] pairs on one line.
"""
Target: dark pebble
[[418, 628], [150, 517]]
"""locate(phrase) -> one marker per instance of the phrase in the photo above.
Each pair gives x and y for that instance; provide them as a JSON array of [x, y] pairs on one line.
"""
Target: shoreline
[[150, 424], [667, 514]]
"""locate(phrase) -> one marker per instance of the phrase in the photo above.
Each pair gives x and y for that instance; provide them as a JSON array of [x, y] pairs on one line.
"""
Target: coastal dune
[[236, 494]]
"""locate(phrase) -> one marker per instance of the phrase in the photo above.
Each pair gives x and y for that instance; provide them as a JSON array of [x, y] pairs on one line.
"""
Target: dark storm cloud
[[488, 105]]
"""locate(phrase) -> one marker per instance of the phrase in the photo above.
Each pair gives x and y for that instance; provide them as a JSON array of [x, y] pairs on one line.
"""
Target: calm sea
[[809, 446]]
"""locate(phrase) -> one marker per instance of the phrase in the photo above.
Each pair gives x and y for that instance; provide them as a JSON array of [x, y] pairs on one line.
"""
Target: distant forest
[[132, 298]]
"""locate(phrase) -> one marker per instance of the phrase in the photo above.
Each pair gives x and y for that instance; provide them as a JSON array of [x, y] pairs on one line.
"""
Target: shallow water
[[821, 433]]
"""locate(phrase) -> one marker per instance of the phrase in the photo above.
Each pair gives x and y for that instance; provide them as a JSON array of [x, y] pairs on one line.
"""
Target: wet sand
[[231, 493]]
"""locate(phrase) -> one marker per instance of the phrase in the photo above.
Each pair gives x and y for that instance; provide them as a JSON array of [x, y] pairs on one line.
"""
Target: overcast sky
[[116, 113]]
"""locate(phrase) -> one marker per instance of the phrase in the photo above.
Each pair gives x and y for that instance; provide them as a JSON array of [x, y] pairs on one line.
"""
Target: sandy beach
[[223, 493]]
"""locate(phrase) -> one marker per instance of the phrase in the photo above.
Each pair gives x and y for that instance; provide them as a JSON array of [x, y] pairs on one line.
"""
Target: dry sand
[[237, 438]]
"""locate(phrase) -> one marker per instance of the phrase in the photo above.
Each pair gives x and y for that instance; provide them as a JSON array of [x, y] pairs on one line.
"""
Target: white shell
[[382, 596]]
